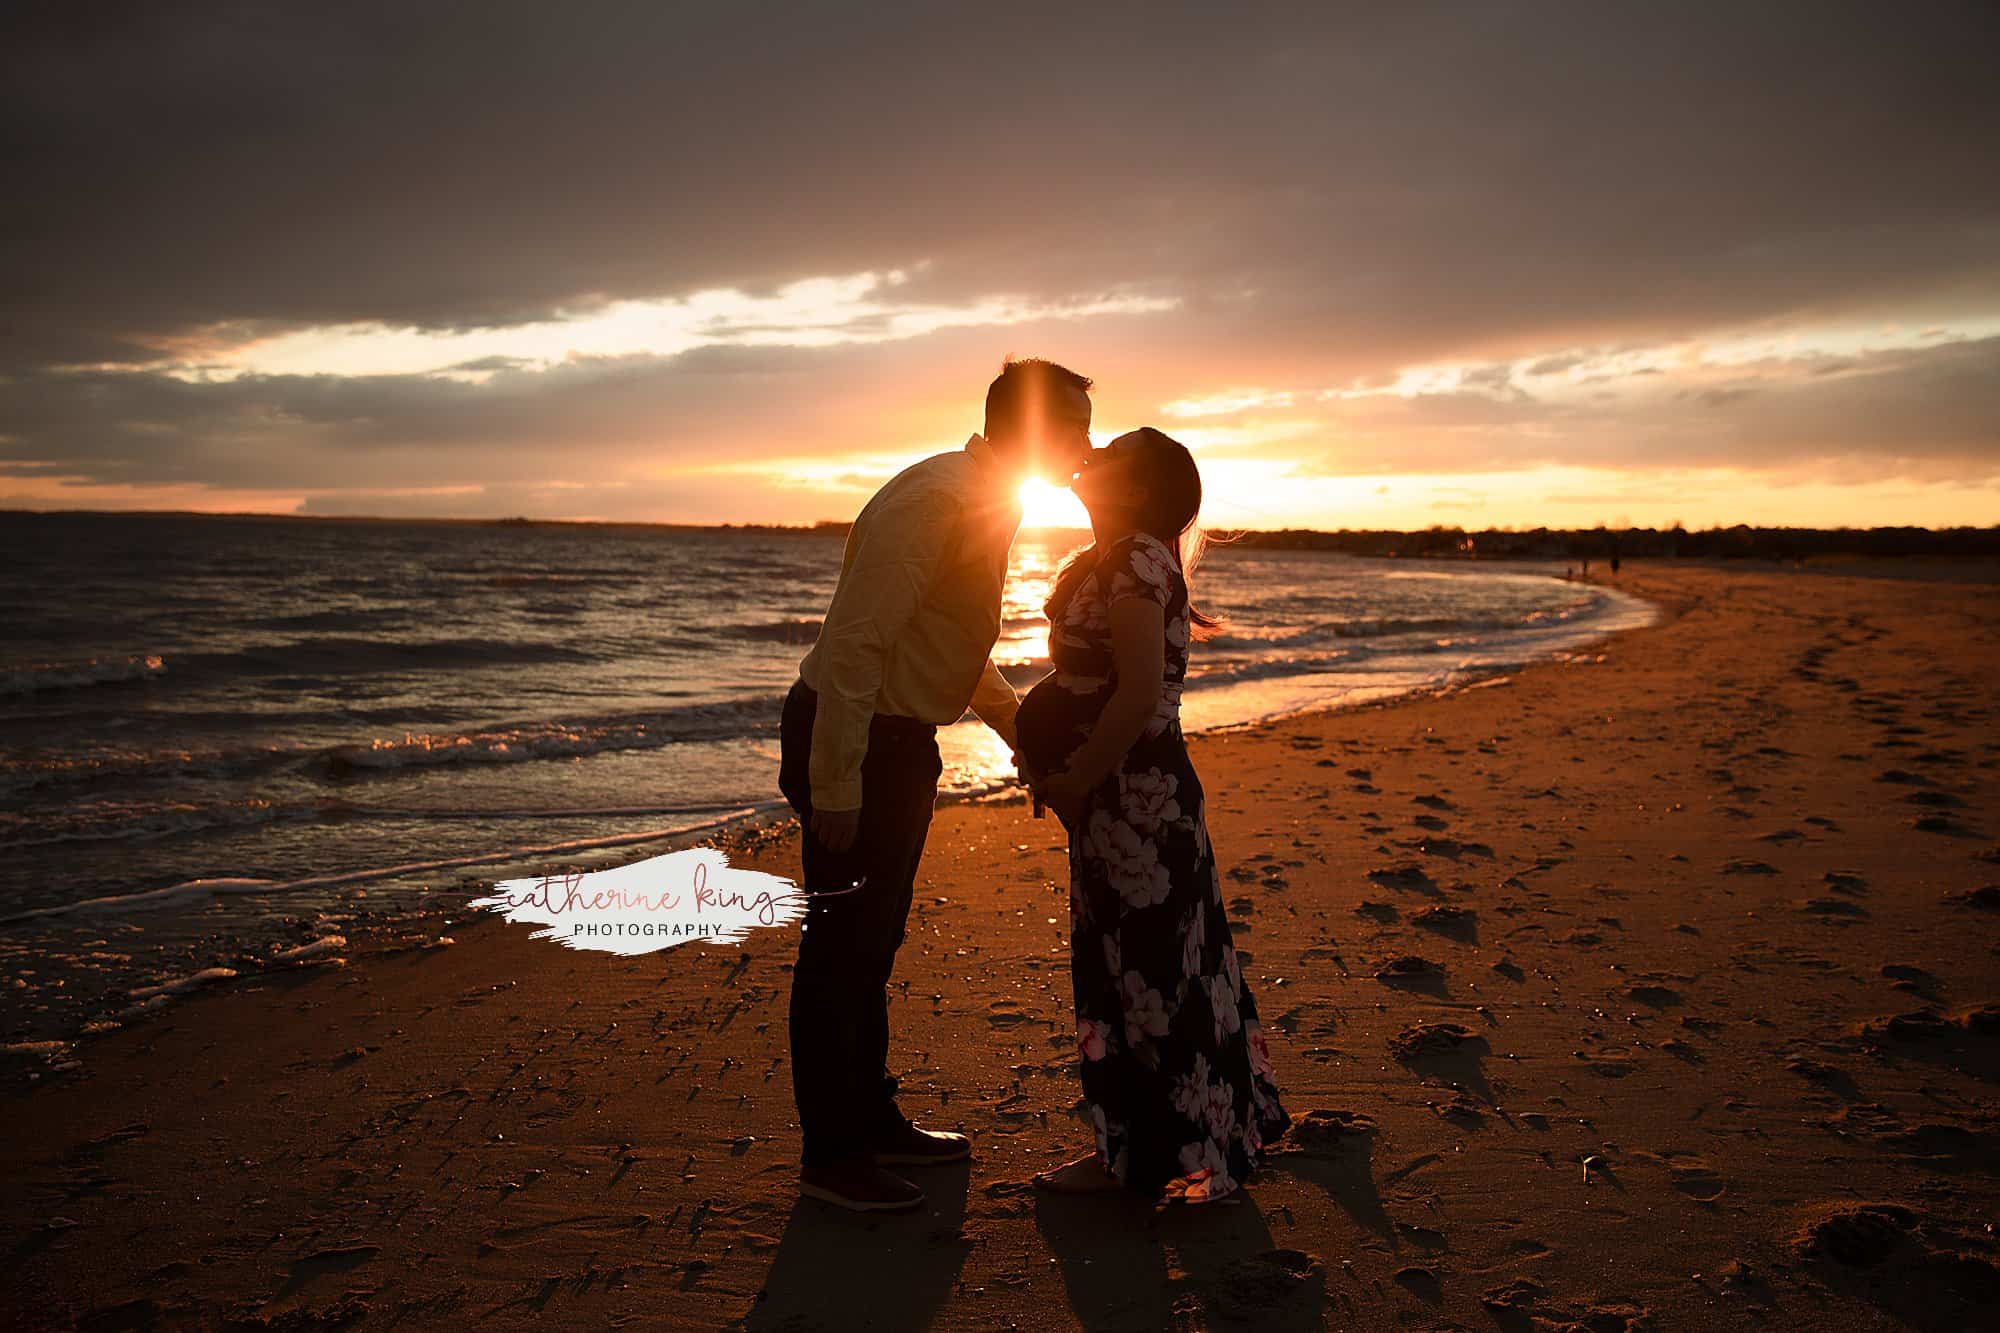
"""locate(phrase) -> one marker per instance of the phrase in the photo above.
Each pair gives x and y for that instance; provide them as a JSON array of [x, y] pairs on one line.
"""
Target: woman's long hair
[[1171, 511]]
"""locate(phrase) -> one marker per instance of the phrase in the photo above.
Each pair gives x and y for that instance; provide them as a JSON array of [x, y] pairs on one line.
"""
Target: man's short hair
[[1023, 382]]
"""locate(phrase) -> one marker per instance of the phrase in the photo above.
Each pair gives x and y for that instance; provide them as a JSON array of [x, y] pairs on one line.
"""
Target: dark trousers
[[847, 949]]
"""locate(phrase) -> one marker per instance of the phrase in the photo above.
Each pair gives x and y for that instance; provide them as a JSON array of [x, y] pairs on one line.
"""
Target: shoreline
[[1711, 911], [417, 921]]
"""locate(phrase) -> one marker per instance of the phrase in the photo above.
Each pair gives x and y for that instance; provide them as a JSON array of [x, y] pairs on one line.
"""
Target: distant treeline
[[1737, 543]]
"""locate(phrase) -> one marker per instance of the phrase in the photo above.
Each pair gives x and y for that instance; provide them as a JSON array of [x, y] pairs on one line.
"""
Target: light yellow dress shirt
[[914, 618]]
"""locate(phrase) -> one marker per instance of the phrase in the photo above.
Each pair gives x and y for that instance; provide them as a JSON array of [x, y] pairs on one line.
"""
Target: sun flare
[[1047, 506]]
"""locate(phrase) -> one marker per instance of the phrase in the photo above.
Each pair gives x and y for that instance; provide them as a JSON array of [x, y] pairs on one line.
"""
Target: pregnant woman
[[1176, 1076]]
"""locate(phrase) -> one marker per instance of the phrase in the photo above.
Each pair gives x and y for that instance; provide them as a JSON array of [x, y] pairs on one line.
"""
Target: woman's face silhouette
[[1109, 481]]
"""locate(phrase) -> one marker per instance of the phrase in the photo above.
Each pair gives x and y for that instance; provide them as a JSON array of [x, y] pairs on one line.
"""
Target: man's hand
[[836, 829]]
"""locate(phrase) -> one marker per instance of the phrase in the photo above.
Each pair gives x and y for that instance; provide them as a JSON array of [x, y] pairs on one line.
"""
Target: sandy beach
[[1656, 989]]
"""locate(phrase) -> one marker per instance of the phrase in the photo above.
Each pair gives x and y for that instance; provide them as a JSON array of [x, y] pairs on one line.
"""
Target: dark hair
[[1173, 504], [1022, 383]]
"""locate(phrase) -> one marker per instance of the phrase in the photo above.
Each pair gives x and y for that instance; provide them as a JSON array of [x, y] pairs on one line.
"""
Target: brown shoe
[[910, 1146], [859, 1187]]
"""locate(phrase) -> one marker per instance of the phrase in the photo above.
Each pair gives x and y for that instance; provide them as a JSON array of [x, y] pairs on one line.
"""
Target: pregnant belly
[[1053, 722]]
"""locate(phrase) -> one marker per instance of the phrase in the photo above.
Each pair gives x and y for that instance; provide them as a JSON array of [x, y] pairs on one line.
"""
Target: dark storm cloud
[[1329, 193], [1424, 173]]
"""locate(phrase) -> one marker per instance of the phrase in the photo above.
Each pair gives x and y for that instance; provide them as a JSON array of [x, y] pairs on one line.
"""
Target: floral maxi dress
[[1177, 1080]]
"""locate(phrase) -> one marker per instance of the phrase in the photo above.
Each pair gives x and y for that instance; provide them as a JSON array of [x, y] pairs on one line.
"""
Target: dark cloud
[[1436, 171], [1328, 194]]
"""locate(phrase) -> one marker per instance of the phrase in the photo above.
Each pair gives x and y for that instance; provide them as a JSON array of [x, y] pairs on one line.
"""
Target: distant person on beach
[[1178, 1083], [904, 649]]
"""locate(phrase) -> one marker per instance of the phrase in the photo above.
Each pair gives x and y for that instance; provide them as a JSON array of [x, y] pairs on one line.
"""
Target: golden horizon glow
[[1240, 493], [1753, 425]]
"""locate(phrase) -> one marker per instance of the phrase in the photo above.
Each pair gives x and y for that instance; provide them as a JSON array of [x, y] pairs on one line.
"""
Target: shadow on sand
[[1126, 1265], [835, 1269]]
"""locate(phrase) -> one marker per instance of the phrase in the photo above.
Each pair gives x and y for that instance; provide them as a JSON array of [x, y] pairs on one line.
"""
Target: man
[[905, 647]]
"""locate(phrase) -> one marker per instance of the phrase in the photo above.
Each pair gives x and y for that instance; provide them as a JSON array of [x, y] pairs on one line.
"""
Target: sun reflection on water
[[975, 757]]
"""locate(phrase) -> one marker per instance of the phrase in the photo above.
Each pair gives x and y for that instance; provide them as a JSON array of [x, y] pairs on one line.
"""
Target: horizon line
[[827, 524]]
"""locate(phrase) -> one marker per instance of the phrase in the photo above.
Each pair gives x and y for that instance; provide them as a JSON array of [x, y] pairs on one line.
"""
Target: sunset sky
[[1386, 266]]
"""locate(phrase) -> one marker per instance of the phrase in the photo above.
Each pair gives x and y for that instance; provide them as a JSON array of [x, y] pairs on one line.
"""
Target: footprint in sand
[[1607, 1061], [1281, 1287], [1948, 1146], [1940, 824], [1423, 1283], [1694, 1177], [1461, 1110], [1412, 972], [1430, 1039], [1913, 979], [1836, 910], [1458, 923], [1823, 1074], [1007, 1014], [1885, 1246], [1928, 1025], [1523, 1305], [1328, 1133], [1424, 1238], [1408, 877]]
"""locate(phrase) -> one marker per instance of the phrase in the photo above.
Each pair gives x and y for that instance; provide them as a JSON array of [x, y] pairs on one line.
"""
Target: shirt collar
[[980, 449]]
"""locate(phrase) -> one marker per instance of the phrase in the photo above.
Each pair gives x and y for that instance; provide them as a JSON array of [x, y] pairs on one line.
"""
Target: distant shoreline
[[1738, 542]]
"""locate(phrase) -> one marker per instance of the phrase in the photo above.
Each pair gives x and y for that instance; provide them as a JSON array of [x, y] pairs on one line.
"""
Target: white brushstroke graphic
[[645, 906]]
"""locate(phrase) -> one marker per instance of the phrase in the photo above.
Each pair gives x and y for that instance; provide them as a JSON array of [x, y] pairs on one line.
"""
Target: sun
[[1047, 506]]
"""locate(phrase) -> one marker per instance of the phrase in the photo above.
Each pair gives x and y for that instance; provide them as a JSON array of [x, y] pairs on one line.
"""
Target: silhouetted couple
[[1176, 1079]]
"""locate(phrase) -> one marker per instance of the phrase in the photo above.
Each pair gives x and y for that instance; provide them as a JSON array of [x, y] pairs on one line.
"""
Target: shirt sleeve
[[899, 549], [1139, 568], [994, 701]]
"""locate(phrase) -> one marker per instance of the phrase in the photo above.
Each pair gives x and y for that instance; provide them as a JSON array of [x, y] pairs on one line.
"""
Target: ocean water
[[223, 738]]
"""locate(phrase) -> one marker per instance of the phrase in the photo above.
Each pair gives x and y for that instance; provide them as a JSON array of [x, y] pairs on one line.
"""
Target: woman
[[1176, 1077]]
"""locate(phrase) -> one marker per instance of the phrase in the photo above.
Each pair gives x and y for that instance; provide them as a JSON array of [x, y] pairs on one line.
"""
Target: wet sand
[[1657, 990]]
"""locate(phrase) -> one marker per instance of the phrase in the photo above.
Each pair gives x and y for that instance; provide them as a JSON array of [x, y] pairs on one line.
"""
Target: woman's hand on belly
[[1068, 794], [1034, 780]]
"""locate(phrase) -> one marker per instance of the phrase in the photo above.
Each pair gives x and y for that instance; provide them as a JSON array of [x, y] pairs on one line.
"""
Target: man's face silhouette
[[1058, 436]]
